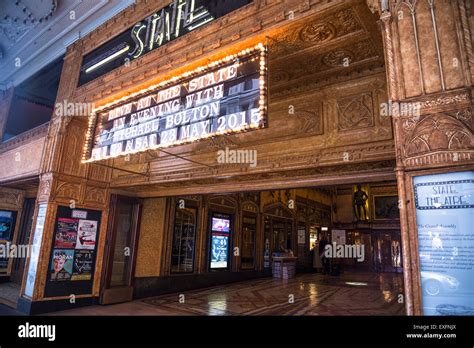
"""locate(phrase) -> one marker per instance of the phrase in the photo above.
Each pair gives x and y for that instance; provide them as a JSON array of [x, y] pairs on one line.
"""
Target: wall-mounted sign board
[[222, 97], [35, 249], [177, 19], [73, 252], [445, 219]]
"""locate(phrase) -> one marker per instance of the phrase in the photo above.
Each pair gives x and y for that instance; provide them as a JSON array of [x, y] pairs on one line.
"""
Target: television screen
[[220, 225]]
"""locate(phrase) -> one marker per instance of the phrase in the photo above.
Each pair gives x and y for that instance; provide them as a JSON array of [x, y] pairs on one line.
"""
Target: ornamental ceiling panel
[[344, 41]]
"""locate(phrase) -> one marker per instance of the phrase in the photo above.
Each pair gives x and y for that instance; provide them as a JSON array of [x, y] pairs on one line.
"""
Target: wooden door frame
[[123, 293], [18, 266]]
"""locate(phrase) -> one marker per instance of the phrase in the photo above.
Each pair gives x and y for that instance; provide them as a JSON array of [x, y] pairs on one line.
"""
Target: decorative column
[[429, 64], [65, 184]]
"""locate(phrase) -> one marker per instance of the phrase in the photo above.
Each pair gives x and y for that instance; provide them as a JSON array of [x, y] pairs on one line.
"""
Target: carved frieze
[[318, 63], [309, 115], [68, 190], [315, 32], [440, 132], [10, 198], [318, 32], [355, 112], [95, 195]]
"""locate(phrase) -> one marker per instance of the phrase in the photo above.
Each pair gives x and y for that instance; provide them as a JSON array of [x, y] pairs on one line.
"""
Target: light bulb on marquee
[[246, 55]]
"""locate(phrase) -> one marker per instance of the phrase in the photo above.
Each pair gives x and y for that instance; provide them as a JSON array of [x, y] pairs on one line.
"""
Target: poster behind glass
[[220, 235], [445, 218], [7, 227], [73, 253], [182, 252]]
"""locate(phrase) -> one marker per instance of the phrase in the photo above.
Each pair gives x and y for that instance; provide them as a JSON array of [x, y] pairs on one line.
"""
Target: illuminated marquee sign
[[175, 20], [226, 96]]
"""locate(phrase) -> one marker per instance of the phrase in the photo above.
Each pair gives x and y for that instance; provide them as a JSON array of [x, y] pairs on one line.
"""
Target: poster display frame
[[229, 236], [66, 285], [10, 239], [413, 294]]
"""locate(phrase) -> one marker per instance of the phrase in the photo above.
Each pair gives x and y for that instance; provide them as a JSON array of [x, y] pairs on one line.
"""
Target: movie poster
[[86, 234], [82, 265], [66, 234], [6, 225], [61, 267], [219, 250]]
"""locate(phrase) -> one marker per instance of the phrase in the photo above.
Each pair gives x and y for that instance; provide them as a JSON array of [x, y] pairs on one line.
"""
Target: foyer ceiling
[[35, 32]]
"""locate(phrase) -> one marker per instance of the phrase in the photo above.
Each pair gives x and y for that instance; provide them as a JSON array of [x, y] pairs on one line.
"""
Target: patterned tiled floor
[[307, 294]]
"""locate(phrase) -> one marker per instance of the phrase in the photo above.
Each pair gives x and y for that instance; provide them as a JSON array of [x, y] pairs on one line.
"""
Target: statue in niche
[[360, 199]]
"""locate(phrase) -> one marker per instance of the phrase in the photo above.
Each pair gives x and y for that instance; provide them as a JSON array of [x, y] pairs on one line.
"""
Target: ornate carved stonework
[[445, 100], [44, 190], [10, 198], [437, 133], [355, 112], [318, 33], [318, 63], [95, 195], [310, 116], [68, 190], [315, 32]]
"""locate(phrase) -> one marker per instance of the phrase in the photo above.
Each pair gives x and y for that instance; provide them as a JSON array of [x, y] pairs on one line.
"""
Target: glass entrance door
[[122, 237]]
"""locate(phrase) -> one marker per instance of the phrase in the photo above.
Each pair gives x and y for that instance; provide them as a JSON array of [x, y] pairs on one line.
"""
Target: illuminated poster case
[[221, 229], [7, 230], [445, 219], [226, 96]]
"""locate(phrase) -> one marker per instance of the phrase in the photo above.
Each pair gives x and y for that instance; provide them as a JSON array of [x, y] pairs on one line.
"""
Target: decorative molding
[[24, 138], [444, 100], [439, 158]]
